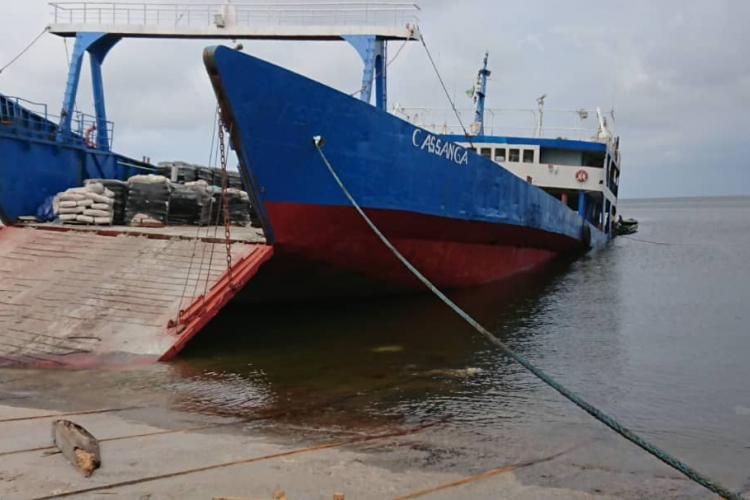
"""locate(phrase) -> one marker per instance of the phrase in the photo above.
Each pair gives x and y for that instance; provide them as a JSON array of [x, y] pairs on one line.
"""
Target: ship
[[466, 209]]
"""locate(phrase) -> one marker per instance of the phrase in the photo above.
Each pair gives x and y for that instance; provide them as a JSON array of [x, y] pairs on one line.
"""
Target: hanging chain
[[225, 202]]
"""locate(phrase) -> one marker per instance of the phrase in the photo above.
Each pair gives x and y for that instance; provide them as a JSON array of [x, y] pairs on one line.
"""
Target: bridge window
[[500, 154], [514, 155], [528, 156], [592, 159], [487, 153]]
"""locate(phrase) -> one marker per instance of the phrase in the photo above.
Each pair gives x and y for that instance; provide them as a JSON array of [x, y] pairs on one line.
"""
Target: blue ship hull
[[461, 218]]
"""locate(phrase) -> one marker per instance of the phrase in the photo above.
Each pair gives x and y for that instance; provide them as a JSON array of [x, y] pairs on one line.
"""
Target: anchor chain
[[225, 203]]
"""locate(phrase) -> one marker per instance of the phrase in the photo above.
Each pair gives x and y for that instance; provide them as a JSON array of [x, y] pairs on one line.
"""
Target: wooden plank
[[77, 445]]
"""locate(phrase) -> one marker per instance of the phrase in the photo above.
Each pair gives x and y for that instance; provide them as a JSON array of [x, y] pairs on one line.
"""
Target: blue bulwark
[[573, 145]]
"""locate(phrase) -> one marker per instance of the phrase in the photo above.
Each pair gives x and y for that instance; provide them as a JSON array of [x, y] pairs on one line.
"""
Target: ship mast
[[480, 91]]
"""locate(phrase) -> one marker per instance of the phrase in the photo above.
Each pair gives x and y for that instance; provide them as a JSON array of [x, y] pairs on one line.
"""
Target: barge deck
[[74, 296]]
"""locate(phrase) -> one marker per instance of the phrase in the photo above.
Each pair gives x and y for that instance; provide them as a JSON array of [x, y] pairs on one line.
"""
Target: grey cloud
[[678, 74]]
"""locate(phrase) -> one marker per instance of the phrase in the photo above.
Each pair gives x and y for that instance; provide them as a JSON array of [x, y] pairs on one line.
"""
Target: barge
[[466, 209]]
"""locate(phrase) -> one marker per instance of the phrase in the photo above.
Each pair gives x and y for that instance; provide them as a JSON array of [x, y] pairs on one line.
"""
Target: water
[[653, 330]]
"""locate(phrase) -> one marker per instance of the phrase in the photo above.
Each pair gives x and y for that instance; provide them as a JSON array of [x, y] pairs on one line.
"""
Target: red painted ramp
[[78, 297]]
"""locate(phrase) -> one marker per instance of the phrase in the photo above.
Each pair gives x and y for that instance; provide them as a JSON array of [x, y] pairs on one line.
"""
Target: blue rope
[[610, 422]]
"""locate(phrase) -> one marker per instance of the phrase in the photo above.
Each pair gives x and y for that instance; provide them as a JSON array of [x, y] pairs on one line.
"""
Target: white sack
[[97, 213], [85, 218]]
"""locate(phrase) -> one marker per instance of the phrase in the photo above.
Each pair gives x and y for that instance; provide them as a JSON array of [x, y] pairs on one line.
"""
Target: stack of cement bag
[[235, 180], [148, 200], [239, 206], [91, 204], [190, 204], [120, 189], [207, 174], [178, 171], [183, 172]]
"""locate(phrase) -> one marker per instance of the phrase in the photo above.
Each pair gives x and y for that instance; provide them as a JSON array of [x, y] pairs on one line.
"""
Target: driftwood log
[[77, 445]]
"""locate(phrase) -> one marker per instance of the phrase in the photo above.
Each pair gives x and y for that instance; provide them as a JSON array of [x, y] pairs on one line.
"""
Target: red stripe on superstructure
[[452, 253]]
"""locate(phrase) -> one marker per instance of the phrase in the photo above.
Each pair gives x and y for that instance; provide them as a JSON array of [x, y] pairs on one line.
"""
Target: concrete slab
[[239, 461]]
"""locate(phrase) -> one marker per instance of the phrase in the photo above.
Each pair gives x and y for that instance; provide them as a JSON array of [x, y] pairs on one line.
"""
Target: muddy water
[[653, 330]]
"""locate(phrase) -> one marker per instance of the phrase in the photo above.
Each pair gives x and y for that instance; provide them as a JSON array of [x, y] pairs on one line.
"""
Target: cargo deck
[[79, 295]]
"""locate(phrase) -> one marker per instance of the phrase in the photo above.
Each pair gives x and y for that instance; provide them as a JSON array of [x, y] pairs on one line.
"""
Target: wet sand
[[154, 452]]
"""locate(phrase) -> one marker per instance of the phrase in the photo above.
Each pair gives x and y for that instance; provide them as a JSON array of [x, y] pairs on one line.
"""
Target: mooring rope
[[650, 242], [25, 49], [602, 417]]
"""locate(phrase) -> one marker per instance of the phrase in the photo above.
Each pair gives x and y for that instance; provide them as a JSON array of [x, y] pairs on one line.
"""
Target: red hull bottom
[[330, 250]]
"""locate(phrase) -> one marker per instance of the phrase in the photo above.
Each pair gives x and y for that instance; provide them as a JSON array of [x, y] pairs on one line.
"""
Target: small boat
[[464, 209], [626, 226]]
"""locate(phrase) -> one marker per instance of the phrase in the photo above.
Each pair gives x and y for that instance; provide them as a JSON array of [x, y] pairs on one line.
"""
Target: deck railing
[[580, 124], [31, 119], [194, 15]]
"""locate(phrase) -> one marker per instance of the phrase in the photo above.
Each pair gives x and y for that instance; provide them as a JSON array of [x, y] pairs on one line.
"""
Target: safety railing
[[194, 15], [84, 126], [580, 124], [29, 119]]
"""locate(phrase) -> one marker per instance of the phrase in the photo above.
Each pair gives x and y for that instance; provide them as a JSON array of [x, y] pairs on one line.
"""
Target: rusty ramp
[[70, 297]]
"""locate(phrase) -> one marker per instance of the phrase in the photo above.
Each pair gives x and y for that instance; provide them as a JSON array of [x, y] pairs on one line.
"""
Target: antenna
[[480, 90], [603, 134], [540, 123]]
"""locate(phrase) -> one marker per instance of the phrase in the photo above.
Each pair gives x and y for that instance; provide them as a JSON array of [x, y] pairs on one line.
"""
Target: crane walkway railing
[[272, 19]]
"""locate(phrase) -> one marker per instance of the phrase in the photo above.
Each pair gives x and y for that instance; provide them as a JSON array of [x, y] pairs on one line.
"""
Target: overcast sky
[[676, 72]]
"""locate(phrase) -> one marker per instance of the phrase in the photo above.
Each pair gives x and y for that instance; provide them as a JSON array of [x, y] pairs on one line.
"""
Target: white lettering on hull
[[435, 145]]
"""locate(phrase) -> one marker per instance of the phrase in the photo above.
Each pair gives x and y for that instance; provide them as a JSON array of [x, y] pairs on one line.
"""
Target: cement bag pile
[[183, 172], [148, 200], [208, 175], [178, 171], [190, 204], [239, 206], [91, 204], [120, 189], [235, 180]]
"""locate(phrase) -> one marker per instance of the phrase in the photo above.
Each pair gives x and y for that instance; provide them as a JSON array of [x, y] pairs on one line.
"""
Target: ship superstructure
[[578, 164]]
